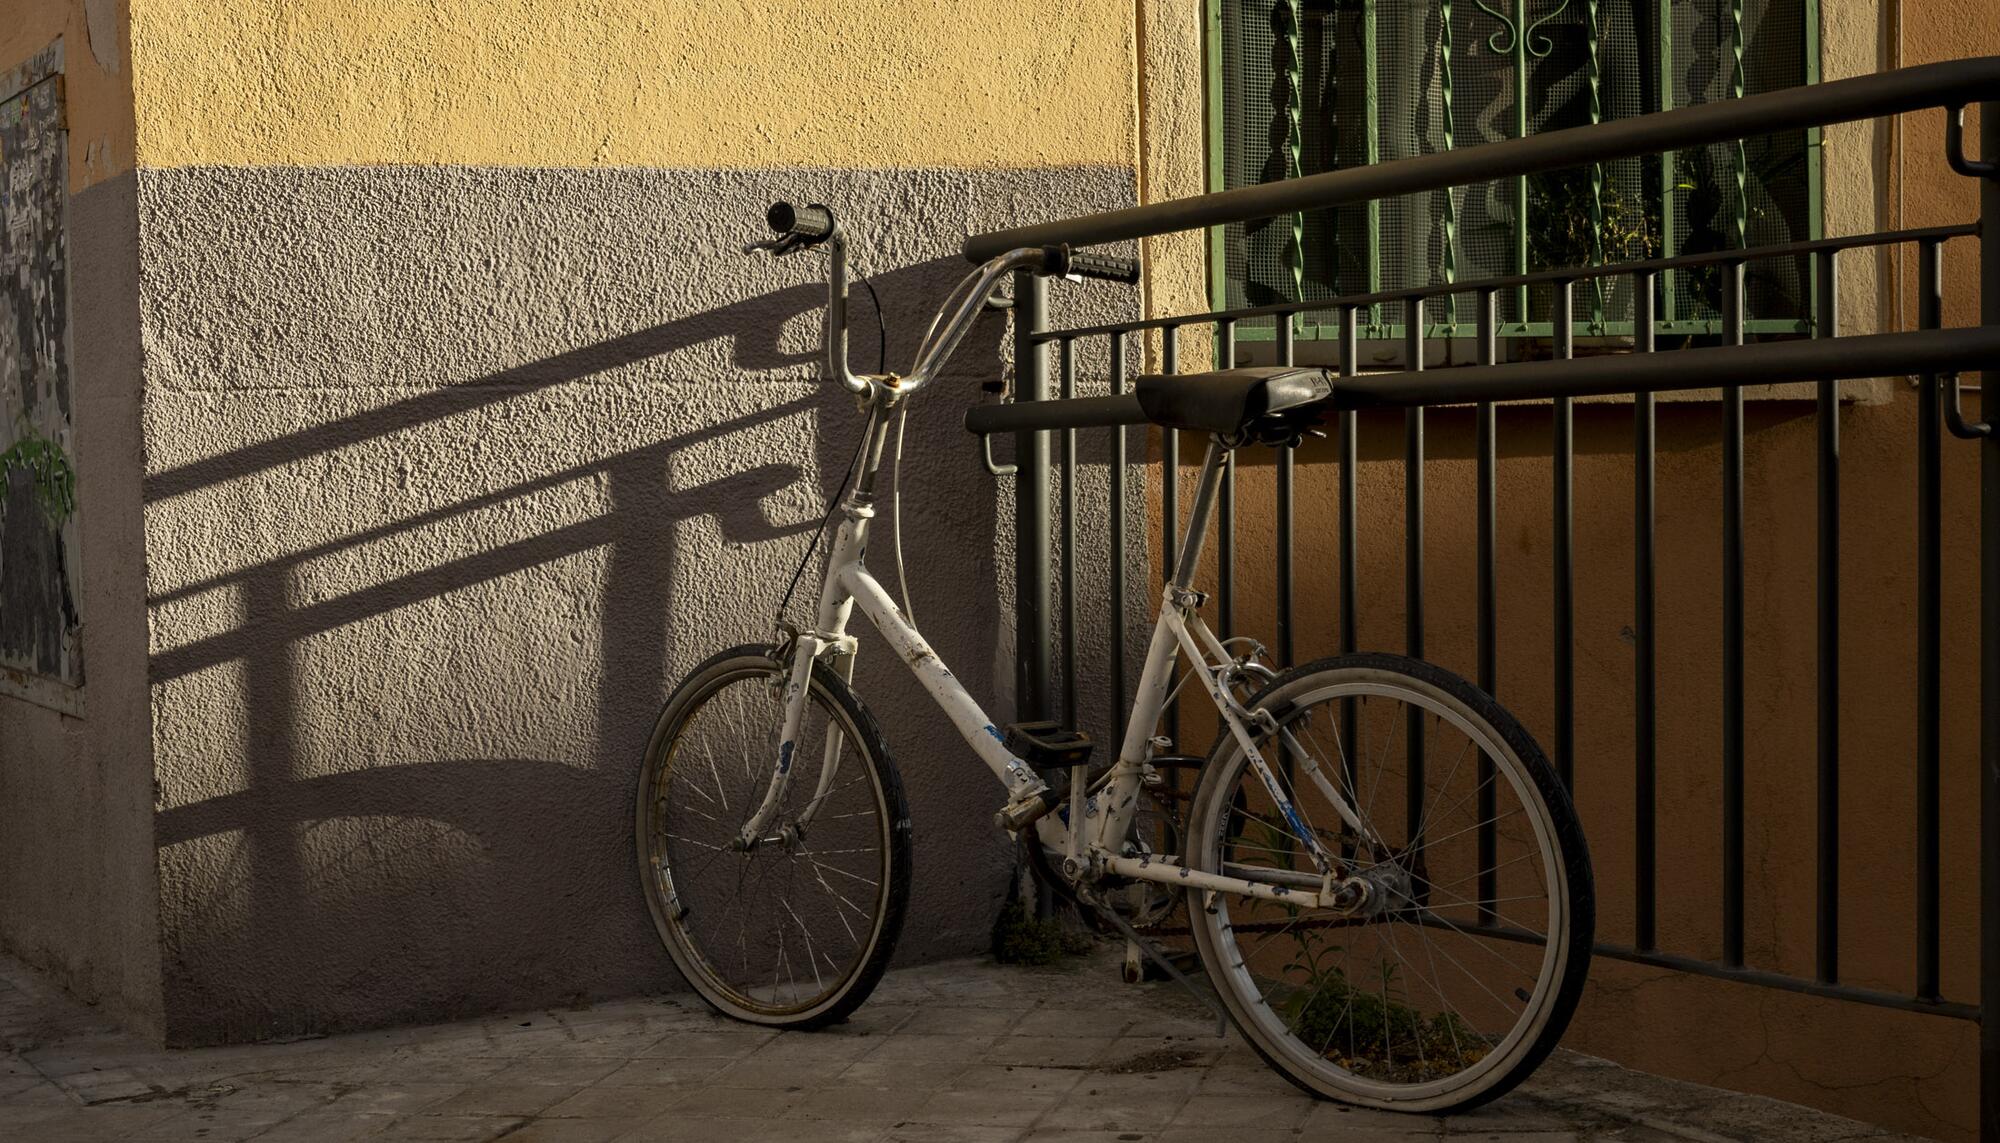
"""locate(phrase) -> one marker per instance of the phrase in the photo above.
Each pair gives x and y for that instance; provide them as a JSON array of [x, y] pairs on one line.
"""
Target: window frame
[[1382, 323]]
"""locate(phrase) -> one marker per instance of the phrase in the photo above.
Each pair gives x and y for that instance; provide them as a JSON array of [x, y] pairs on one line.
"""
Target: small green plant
[[1562, 234], [1370, 1031], [49, 470], [1020, 937]]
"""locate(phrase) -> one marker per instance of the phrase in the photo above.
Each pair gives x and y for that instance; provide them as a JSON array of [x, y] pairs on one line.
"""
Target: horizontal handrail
[[1949, 84], [1574, 274], [1927, 351]]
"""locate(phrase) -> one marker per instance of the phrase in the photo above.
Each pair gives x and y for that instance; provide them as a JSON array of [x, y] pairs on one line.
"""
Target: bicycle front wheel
[[1460, 974], [796, 931]]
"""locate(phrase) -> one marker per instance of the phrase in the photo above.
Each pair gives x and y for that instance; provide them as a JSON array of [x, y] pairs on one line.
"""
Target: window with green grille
[[1304, 86]]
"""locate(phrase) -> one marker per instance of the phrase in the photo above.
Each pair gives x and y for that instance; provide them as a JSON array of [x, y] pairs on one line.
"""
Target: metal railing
[[1934, 355]]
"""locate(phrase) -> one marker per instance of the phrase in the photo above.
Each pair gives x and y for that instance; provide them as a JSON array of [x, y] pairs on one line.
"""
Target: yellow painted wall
[[98, 82], [863, 83]]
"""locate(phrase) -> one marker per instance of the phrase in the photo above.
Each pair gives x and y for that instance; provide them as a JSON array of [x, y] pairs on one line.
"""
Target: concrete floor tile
[[1048, 1051], [1081, 1112], [733, 1042], [663, 1073], [1338, 1120], [517, 1100], [438, 1069], [1254, 1135], [208, 1125], [394, 1098], [985, 1107], [599, 1130], [906, 1046], [958, 1020], [735, 1103], [860, 1105], [554, 1070], [614, 1102], [451, 1128], [1058, 1019], [929, 1075], [670, 1129], [1014, 1077], [814, 1048], [328, 1126], [766, 1075], [1280, 1110], [951, 1133]]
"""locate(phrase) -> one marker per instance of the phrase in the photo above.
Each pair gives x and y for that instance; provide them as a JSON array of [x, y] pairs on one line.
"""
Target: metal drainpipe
[[1989, 650]]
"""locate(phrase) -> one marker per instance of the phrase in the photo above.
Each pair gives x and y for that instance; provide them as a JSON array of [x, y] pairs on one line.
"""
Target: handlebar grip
[[808, 224], [1061, 261], [1108, 267]]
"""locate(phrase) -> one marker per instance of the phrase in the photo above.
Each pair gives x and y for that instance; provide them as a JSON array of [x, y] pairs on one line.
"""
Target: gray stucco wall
[[450, 473], [77, 887]]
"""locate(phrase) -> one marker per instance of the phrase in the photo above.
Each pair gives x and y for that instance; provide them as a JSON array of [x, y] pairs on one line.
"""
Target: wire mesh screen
[[1307, 86]]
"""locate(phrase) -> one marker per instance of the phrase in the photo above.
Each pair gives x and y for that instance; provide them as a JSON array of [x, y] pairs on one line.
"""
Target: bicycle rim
[[1465, 973], [795, 931]]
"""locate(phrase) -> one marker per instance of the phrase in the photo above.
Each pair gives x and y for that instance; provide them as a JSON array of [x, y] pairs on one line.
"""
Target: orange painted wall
[[1910, 1072]]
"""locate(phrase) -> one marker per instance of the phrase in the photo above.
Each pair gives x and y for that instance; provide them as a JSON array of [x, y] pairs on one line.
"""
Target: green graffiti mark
[[48, 468]]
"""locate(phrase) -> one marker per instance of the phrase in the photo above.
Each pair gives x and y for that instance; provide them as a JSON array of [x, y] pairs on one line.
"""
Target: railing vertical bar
[[1031, 504], [1115, 717], [1563, 462], [1066, 507], [1732, 632], [1350, 449], [1989, 651], [1286, 475], [1170, 515], [1225, 542], [1645, 729], [1486, 318], [1930, 712], [1827, 914], [1413, 563]]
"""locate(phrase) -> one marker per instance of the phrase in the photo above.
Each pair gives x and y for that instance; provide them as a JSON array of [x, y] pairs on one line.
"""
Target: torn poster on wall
[[38, 566]]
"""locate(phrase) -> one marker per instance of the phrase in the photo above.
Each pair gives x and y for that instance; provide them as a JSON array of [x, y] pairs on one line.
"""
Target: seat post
[[1204, 507]]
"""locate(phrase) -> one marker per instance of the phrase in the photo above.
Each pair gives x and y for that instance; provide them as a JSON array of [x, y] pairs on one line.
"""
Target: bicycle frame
[[847, 584]]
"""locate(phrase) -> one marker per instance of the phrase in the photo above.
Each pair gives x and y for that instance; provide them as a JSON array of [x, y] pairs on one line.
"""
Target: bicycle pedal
[[1049, 745]]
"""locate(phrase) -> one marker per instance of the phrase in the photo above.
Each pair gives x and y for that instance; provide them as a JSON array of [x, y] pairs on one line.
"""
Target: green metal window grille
[[1303, 86]]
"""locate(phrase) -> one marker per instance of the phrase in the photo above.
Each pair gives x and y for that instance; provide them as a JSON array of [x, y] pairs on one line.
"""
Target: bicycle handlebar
[[798, 227], [1064, 262], [804, 225]]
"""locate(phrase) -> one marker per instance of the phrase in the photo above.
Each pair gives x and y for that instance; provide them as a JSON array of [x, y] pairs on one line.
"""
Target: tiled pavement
[[963, 1052]]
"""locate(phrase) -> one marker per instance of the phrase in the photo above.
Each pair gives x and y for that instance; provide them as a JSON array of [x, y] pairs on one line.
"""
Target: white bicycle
[[1387, 885]]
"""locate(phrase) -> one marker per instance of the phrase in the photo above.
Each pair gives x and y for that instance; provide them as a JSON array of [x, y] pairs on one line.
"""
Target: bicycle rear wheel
[[796, 931], [1461, 974]]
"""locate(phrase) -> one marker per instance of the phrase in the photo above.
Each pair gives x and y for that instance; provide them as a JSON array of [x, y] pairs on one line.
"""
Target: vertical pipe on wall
[[1563, 463], [1413, 563], [1827, 914], [1066, 508], [1115, 717], [1170, 471], [1732, 631], [1350, 449], [1286, 475], [1225, 542], [1930, 314], [1989, 652], [1486, 319], [1645, 744], [1031, 505]]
